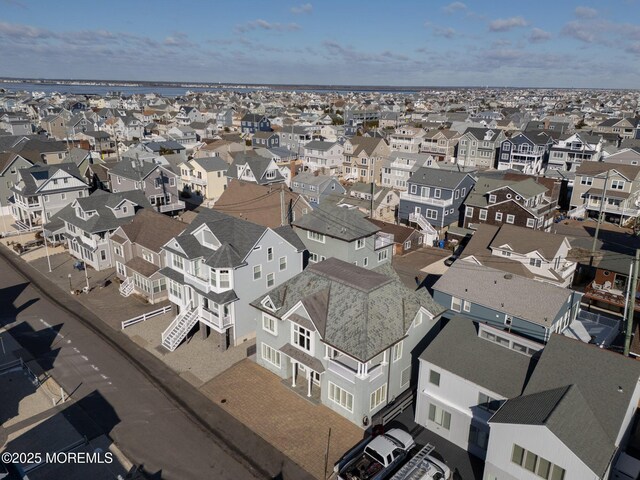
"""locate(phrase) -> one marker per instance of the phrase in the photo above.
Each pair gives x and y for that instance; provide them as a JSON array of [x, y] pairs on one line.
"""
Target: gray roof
[[531, 300], [237, 238], [487, 364], [344, 223], [435, 177], [319, 145], [310, 178], [34, 177], [588, 416], [133, 169], [103, 203], [212, 164], [258, 166], [287, 233], [358, 311]]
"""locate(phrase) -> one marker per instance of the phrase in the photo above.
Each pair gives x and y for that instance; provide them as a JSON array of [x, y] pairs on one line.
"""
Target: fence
[[145, 316]]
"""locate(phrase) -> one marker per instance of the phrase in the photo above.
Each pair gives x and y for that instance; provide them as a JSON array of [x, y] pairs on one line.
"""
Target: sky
[[516, 43]]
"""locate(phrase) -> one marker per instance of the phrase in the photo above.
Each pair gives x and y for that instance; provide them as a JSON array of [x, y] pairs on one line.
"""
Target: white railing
[[577, 212], [199, 283], [423, 223], [426, 200], [145, 316], [375, 372], [126, 287], [214, 320], [178, 205], [342, 370], [179, 328]]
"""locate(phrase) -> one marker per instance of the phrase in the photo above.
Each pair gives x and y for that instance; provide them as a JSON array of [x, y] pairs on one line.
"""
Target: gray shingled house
[[216, 267], [344, 335]]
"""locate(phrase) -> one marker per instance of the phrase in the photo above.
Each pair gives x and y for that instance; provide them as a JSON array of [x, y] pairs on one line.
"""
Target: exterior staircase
[[431, 234], [126, 287], [179, 328], [578, 212]]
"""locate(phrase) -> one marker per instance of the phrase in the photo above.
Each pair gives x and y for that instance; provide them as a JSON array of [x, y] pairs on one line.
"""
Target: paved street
[[143, 420]]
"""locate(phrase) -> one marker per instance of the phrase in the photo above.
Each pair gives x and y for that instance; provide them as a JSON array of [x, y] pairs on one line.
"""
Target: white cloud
[[454, 7], [301, 9], [538, 35], [264, 25], [506, 24]]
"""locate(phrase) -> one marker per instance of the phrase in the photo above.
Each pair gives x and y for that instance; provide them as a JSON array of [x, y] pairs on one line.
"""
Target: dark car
[[449, 261]]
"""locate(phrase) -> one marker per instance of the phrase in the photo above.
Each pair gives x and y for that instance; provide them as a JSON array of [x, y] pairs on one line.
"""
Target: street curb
[[211, 418]]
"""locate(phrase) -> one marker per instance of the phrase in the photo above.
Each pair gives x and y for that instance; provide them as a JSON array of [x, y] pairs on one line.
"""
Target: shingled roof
[[358, 311]]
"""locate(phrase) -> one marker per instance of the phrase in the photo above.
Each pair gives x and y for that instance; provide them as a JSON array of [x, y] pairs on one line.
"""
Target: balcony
[[199, 283], [216, 321], [612, 297], [383, 240], [350, 369], [342, 370], [196, 180], [611, 208], [177, 205], [438, 202]]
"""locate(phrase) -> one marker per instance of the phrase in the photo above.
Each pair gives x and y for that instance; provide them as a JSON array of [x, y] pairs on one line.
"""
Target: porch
[[304, 373]]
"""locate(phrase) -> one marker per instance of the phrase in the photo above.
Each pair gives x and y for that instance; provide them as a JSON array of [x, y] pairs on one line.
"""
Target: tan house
[[204, 177], [618, 184], [136, 251], [221, 148], [440, 144], [363, 158]]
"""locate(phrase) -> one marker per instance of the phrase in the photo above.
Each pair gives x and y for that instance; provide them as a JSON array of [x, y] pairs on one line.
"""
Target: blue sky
[[499, 43]]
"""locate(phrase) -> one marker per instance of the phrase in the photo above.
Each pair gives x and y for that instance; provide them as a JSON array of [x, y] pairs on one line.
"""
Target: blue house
[[435, 196], [265, 140], [255, 122], [517, 304]]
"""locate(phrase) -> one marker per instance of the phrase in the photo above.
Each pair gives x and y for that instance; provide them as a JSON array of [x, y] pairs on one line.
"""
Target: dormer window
[[125, 209]]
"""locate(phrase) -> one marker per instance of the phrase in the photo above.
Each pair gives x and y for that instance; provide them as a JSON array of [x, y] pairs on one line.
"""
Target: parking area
[[294, 425], [611, 237]]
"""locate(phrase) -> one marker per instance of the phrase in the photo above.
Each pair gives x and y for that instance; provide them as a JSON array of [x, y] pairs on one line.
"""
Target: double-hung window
[[301, 337]]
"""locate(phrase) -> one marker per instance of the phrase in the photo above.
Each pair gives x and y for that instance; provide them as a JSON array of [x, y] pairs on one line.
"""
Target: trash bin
[[441, 244]]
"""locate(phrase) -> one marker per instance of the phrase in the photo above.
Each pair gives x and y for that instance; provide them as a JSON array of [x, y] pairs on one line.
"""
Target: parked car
[[449, 261], [376, 457]]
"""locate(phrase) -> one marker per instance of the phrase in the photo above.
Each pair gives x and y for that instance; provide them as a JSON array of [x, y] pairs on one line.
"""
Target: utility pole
[[602, 200], [373, 191], [632, 304]]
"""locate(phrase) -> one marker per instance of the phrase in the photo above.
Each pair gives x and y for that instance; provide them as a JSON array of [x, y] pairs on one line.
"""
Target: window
[[531, 222], [63, 196], [397, 351], [439, 416], [617, 184], [301, 337], [365, 262], [586, 180], [313, 257], [431, 214], [178, 262], [103, 255], [269, 254], [224, 278], [378, 397], [359, 243], [535, 464], [407, 245], [488, 403], [468, 212], [316, 237], [466, 306], [271, 355], [148, 256], [271, 279], [120, 268], [456, 303], [383, 255], [46, 198], [413, 189], [340, 396], [483, 214], [257, 272], [499, 216], [283, 263], [511, 218], [437, 192], [492, 198], [434, 378], [405, 377], [172, 182], [117, 249], [269, 324], [535, 262]]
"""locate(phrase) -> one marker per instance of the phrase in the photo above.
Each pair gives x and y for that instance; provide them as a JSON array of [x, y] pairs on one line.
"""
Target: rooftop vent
[[508, 276]]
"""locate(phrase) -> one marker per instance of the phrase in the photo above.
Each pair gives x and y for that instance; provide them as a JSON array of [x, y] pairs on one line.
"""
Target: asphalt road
[[147, 425]]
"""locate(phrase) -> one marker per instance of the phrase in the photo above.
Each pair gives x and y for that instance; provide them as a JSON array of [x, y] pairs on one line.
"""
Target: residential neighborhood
[[270, 278]]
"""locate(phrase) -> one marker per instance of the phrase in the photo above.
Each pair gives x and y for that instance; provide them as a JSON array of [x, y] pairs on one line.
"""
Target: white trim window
[[439, 416], [117, 250], [340, 396], [531, 222], [498, 216], [511, 218], [257, 272], [383, 255], [466, 306], [397, 351], [301, 337], [269, 254], [120, 268], [282, 263], [483, 214], [378, 397], [492, 198], [360, 243], [269, 324], [271, 279], [468, 212], [316, 237], [271, 355], [456, 304], [617, 184]]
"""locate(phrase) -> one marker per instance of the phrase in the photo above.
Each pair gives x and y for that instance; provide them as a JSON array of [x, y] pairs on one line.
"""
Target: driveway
[[289, 422]]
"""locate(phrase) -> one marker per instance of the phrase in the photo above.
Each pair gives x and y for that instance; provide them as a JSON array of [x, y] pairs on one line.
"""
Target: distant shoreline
[[283, 87]]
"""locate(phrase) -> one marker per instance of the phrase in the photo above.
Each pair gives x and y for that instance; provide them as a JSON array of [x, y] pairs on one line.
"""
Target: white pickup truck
[[375, 458], [423, 466]]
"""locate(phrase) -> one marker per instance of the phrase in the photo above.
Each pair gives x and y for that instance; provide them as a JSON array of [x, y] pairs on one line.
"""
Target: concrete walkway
[[293, 425]]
